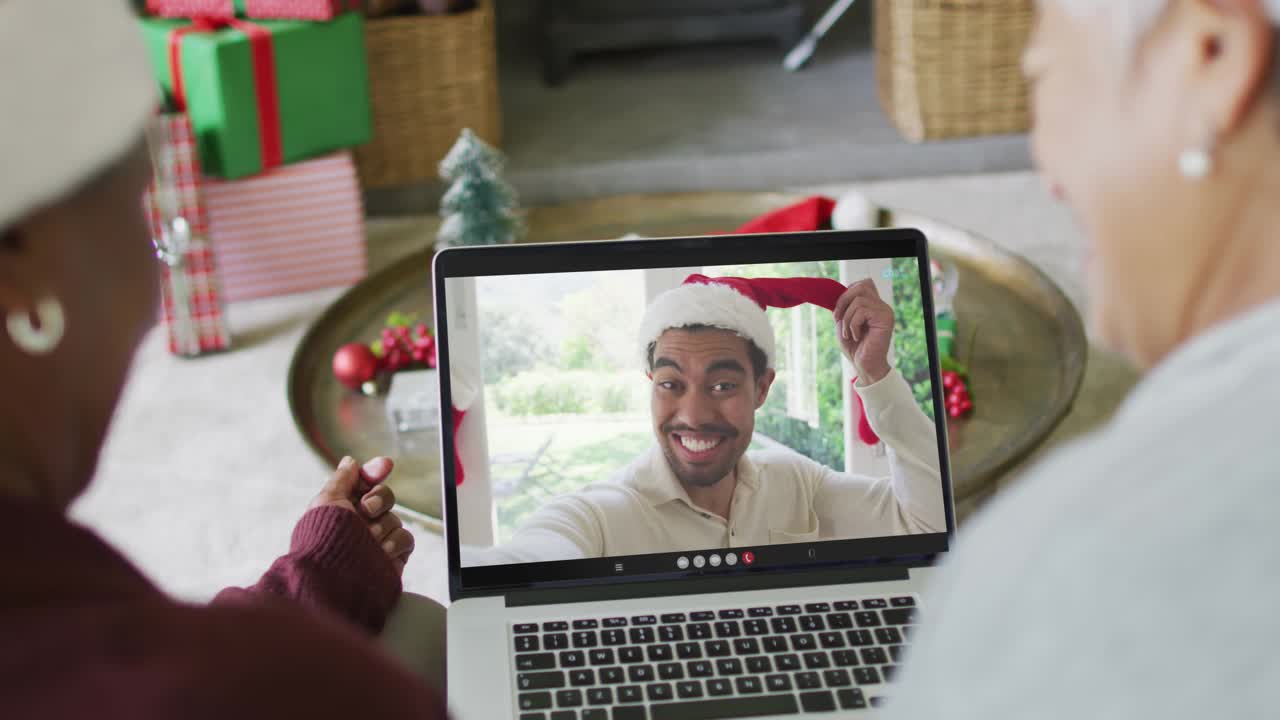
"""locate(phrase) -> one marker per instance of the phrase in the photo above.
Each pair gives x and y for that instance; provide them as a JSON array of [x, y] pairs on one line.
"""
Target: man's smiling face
[[706, 390]]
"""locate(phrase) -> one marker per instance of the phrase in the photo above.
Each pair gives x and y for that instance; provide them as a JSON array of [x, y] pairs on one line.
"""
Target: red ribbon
[[264, 79]]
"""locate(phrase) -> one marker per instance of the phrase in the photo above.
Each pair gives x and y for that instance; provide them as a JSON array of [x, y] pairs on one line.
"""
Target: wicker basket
[[952, 68], [430, 76]]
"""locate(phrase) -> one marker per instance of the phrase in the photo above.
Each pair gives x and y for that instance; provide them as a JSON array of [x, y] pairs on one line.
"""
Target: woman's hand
[[362, 491]]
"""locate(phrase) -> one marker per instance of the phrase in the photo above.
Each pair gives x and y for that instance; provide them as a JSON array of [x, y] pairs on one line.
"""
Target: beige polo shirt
[[781, 497]]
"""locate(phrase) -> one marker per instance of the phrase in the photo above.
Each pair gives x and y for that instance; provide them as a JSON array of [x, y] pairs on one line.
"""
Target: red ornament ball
[[354, 364]]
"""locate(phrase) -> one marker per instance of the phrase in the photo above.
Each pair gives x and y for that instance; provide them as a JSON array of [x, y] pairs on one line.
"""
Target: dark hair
[[759, 362]]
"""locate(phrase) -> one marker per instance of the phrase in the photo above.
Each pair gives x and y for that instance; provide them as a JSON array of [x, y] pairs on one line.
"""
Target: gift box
[[299, 227], [264, 93], [191, 298], [270, 9]]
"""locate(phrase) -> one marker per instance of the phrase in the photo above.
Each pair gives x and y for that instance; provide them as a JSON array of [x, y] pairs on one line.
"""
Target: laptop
[[675, 486]]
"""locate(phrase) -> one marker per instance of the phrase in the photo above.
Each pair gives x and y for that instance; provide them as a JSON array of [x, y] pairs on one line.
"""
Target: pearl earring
[[1197, 163]]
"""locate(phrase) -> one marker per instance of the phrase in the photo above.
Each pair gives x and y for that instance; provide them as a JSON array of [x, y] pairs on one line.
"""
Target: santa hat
[[735, 304], [76, 92]]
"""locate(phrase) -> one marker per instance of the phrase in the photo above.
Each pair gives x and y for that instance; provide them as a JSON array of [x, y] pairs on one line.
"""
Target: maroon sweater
[[84, 634]]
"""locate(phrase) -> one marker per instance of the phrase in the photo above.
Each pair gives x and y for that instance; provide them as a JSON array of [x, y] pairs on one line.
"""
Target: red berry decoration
[[958, 402], [354, 364]]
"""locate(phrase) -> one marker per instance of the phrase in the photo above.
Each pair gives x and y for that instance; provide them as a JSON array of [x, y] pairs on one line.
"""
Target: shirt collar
[[657, 484]]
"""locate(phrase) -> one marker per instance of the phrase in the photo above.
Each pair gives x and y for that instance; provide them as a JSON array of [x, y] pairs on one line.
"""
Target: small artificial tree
[[479, 207]]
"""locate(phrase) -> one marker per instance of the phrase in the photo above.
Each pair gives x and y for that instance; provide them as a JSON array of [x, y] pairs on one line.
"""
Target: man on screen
[[709, 353]]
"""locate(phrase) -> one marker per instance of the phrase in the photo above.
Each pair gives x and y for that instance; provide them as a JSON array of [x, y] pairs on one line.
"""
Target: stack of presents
[[264, 100]]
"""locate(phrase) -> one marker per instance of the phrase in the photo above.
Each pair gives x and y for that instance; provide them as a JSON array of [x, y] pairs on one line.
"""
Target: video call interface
[[616, 417]]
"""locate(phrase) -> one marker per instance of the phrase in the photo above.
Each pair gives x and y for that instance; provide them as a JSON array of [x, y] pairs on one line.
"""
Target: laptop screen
[[688, 407]]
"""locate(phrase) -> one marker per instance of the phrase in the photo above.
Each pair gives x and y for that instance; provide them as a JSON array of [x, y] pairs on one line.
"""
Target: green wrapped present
[[261, 93]]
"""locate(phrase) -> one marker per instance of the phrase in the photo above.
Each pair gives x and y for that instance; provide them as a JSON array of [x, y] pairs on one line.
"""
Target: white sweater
[[1136, 573]]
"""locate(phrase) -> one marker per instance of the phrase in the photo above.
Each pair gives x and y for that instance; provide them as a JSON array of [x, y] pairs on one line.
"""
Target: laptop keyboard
[[723, 663]]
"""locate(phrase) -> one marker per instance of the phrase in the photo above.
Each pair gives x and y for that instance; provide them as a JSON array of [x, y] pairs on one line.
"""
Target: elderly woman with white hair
[[1134, 573]]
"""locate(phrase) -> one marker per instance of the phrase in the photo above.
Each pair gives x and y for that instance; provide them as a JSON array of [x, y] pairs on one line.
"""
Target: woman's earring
[[43, 339], [1197, 163]]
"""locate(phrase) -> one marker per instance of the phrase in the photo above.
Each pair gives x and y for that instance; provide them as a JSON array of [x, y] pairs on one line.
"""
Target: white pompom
[[853, 211]]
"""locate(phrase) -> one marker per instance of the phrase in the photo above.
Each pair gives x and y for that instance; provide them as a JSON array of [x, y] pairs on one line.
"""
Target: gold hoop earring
[[40, 340]]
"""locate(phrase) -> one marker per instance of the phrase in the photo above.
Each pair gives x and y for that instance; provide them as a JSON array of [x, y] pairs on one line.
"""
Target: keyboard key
[[831, 640], [540, 680], [702, 616], [867, 618], [526, 643], [688, 650], [837, 678], [783, 625], [778, 683], [817, 607], [611, 675], [746, 646], [613, 637], [755, 627], [580, 678], [535, 701], [660, 691], [728, 629], [564, 715], [817, 701], [632, 712], [775, 644], [902, 602], [670, 633], [689, 689], [614, 622], [725, 708], [584, 639], [875, 603], [866, 676], [899, 616], [888, 636], [629, 693], [572, 658], [555, 626], [748, 685], [671, 671], [845, 658], [719, 686], [630, 655], [699, 631], [659, 653], [858, 638], [536, 661], [800, 643], [600, 696], [729, 666], [533, 716], [730, 614], [644, 620], [846, 605], [568, 698], [808, 680], [895, 652], [759, 665], [641, 635], [520, 628], [888, 672], [558, 641], [816, 660], [874, 656], [640, 673], [601, 657], [789, 610], [787, 662], [760, 612], [717, 648], [673, 618], [700, 668], [812, 623], [586, 624], [840, 621], [851, 699]]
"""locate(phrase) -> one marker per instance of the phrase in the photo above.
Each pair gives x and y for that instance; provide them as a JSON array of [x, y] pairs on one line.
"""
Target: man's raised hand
[[864, 325]]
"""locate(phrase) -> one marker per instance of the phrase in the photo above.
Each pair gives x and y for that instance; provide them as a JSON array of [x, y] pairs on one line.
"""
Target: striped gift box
[[295, 228], [203, 327]]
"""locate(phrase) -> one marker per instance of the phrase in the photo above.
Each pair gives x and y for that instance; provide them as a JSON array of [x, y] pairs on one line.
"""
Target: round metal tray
[[1027, 357]]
